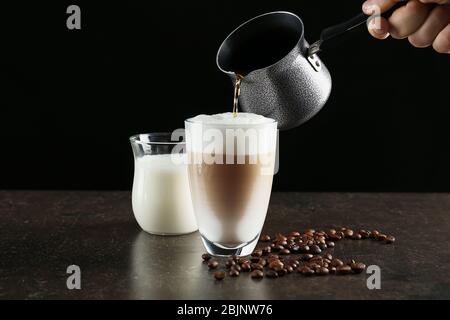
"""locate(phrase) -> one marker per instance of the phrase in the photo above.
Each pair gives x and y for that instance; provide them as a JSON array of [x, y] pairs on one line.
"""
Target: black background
[[69, 100]]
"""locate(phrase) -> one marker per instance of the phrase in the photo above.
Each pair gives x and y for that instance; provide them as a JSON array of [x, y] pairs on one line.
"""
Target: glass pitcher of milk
[[161, 197]]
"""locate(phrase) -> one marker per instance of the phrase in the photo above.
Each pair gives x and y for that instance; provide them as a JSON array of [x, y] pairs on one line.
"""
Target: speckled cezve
[[290, 91]]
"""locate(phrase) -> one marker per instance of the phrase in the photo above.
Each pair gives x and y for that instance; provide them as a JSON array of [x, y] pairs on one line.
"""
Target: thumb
[[379, 6]]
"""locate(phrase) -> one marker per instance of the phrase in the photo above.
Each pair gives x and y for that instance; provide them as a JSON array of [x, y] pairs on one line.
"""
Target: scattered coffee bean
[[206, 257], [358, 267], [233, 273], [289, 269], [330, 244], [328, 256], [276, 265], [282, 273], [323, 271], [356, 236], [323, 246], [336, 263], [257, 274], [220, 275], [374, 234], [213, 264], [285, 252], [254, 260], [271, 274], [306, 257], [295, 234], [246, 267], [390, 239], [256, 266], [306, 271], [332, 270], [267, 250], [315, 249], [265, 238], [262, 262], [382, 237], [348, 233], [343, 270], [236, 267], [229, 264], [257, 253]]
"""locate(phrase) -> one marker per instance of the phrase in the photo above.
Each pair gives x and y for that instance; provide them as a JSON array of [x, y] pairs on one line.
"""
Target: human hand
[[423, 22]]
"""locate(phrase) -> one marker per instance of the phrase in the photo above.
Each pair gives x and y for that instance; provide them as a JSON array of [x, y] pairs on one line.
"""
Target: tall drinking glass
[[231, 168]]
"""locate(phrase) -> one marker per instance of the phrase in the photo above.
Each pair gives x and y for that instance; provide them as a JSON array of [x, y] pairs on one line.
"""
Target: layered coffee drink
[[232, 160]]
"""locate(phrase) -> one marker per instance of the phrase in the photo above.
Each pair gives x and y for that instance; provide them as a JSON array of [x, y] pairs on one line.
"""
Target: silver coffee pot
[[283, 78]]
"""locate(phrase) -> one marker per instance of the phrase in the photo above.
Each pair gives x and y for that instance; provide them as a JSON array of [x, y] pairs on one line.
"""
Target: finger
[[435, 1], [442, 42], [379, 28], [378, 6], [437, 20], [408, 19]]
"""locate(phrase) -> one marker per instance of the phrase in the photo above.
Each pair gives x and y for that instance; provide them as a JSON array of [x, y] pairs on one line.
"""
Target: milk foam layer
[[230, 119], [245, 134]]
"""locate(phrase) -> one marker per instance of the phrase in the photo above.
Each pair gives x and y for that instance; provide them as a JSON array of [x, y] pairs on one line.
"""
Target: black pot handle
[[348, 25]]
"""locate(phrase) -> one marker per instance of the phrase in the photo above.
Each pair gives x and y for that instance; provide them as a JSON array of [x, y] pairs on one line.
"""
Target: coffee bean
[[382, 237], [315, 249], [236, 267], [246, 267], [265, 238], [331, 231], [343, 270], [332, 270], [257, 253], [281, 244], [213, 264], [306, 271], [267, 250], [282, 273], [340, 235], [323, 246], [312, 231], [390, 239], [323, 271], [356, 236], [271, 274], [328, 256], [254, 259], [364, 234], [285, 252], [314, 265], [374, 234], [280, 238], [336, 263], [243, 260], [289, 269], [358, 267], [257, 274], [330, 244], [233, 273], [206, 257], [262, 262], [220, 275], [295, 234], [277, 248], [229, 264], [334, 237], [294, 248], [257, 266], [276, 265], [348, 233], [306, 257], [303, 248], [351, 262]]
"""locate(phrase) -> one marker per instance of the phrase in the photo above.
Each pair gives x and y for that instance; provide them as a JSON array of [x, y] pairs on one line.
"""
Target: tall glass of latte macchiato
[[231, 164]]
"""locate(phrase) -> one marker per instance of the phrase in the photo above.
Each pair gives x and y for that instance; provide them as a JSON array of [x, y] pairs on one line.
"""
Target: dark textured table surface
[[42, 233]]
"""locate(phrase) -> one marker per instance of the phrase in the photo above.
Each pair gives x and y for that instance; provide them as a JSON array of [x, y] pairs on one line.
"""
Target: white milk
[[161, 197]]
